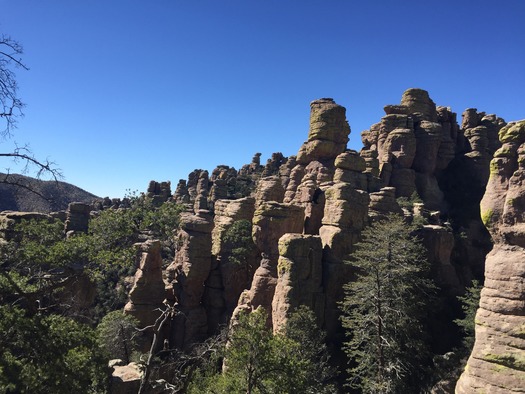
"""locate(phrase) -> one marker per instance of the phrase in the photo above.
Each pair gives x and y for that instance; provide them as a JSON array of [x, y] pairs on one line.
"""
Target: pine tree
[[384, 309]]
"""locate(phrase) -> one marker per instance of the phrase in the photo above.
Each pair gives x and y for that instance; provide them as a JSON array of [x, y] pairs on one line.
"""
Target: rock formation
[[228, 278], [187, 275], [345, 215], [77, 218], [159, 192], [333, 192], [270, 222], [497, 362], [300, 276], [307, 212], [328, 133], [148, 292]]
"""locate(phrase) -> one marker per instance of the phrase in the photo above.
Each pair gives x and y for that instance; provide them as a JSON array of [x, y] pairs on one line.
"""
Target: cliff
[[497, 362], [307, 212]]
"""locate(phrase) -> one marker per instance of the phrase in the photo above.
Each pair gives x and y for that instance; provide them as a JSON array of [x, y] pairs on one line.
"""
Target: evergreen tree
[[257, 361], [117, 335], [384, 309], [469, 304]]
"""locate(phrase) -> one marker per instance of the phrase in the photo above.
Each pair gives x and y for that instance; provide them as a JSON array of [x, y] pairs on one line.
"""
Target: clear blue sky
[[120, 92]]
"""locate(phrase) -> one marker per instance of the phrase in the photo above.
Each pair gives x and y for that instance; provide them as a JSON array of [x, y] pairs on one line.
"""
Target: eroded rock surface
[[77, 219], [187, 275], [300, 275], [497, 362], [148, 292], [232, 276], [270, 222], [328, 133]]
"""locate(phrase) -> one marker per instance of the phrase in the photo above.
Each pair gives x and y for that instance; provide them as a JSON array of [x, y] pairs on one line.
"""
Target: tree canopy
[[384, 309]]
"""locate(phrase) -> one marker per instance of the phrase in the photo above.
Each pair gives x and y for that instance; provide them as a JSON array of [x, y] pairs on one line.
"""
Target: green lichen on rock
[[519, 332], [283, 266], [486, 217], [509, 360], [507, 150], [513, 132]]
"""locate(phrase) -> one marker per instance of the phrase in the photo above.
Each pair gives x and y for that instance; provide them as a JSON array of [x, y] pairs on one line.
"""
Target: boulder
[[125, 379], [328, 133], [417, 101], [269, 189]]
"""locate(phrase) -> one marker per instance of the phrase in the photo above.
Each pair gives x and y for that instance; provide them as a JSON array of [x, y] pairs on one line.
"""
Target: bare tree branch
[[10, 109], [11, 105]]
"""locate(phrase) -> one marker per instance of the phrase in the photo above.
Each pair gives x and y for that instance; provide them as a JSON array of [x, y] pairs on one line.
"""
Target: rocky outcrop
[[9, 220], [159, 192], [345, 215], [383, 203], [201, 192], [417, 140], [77, 219], [125, 379], [300, 275], [229, 277], [328, 133], [439, 242], [351, 168], [148, 292], [419, 149], [270, 222], [187, 275], [497, 362], [269, 189], [181, 195], [274, 164], [317, 204]]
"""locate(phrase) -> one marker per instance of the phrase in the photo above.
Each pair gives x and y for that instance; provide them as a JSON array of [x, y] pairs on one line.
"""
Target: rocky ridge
[[307, 212], [52, 195]]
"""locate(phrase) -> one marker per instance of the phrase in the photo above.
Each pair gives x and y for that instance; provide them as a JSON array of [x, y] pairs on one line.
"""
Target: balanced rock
[[417, 101], [328, 133]]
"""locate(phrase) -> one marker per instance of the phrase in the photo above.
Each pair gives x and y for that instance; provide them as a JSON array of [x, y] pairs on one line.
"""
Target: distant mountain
[[57, 194]]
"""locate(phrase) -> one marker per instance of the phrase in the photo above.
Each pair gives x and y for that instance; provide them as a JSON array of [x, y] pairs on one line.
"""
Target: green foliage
[[317, 373], [384, 308], [469, 305], [44, 354], [44, 347], [257, 361], [114, 231], [117, 335], [405, 202], [238, 239]]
